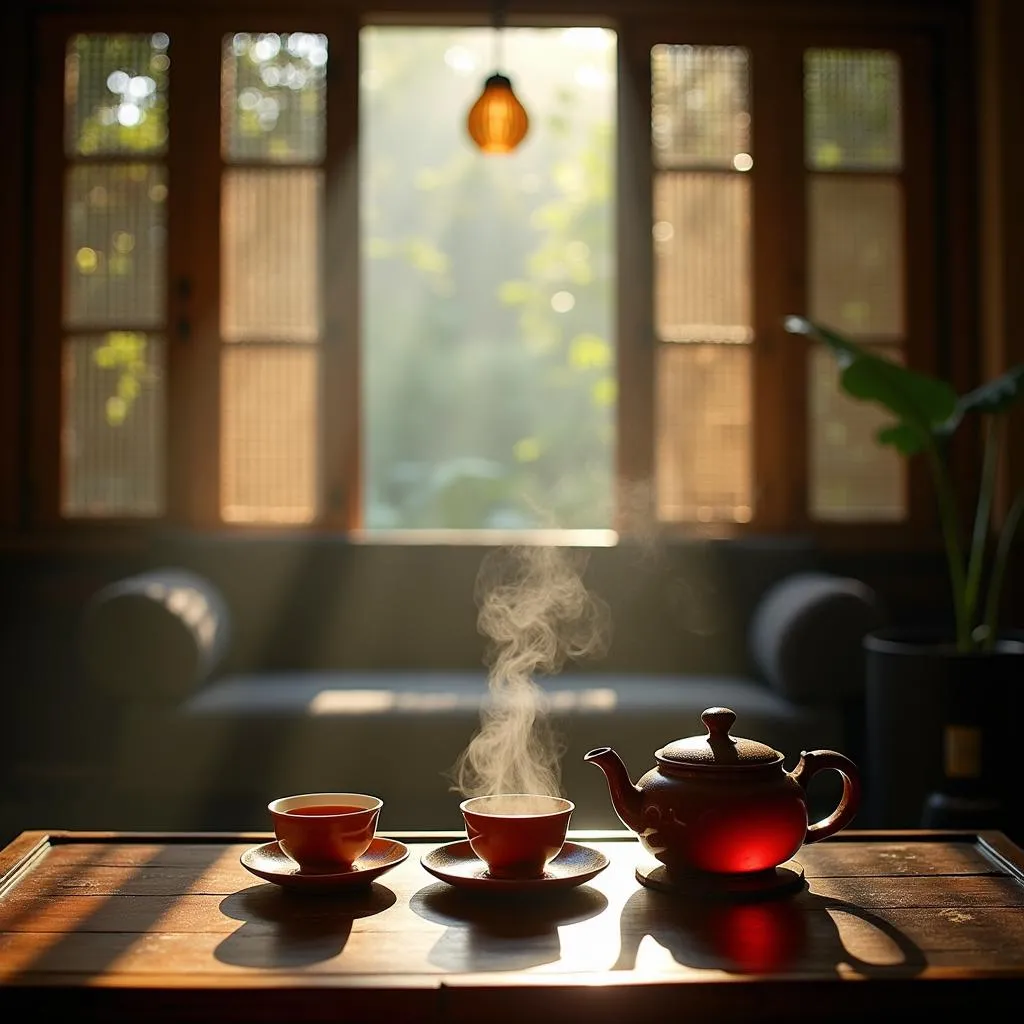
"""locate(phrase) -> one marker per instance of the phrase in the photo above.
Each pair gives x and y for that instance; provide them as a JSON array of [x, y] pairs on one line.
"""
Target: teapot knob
[[718, 722]]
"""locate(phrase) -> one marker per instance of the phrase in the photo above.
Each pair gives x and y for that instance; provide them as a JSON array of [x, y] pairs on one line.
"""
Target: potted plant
[[938, 702]]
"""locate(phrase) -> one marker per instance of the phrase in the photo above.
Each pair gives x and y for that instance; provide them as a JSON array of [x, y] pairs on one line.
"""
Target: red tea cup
[[325, 831], [516, 834]]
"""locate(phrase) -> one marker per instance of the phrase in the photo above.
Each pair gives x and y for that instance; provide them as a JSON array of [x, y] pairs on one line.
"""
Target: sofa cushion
[[155, 636], [807, 633]]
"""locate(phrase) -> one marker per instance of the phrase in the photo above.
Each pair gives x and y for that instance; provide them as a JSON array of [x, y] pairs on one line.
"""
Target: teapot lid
[[718, 749]]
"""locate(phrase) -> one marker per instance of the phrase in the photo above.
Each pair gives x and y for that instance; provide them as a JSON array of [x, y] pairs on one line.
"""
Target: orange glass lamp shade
[[497, 122]]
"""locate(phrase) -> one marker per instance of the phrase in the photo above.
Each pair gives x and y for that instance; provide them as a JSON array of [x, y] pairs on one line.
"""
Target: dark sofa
[[218, 674]]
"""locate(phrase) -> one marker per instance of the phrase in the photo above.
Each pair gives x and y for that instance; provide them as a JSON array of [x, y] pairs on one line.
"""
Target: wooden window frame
[[940, 226], [780, 450]]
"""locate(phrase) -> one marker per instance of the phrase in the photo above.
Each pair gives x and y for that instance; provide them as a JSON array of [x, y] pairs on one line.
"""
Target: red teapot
[[724, 804]]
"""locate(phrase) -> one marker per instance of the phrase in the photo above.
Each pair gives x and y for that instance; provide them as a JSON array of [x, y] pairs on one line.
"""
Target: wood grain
[[91, 925]]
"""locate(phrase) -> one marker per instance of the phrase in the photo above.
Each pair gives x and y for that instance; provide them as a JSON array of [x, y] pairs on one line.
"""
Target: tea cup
[[325, 831], [516, 834]]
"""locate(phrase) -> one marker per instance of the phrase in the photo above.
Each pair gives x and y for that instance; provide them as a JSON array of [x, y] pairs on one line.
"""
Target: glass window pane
[[852, 475], [700, 106], [112, 441], [269, 415], [853, 110], [487, 283], [703, 433], [856, 254], [702, 257], [115, 94], [270, 249], [115, 245], [274, 95]]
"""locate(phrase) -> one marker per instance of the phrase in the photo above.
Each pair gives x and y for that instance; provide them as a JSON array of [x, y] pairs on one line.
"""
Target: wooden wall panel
[[1000, 112], [14, 97]]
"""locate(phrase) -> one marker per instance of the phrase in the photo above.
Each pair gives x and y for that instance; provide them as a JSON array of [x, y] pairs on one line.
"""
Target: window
[[701, 135], [293, 295], [273, 119], [855, 204], [489, 389], [113, 304]]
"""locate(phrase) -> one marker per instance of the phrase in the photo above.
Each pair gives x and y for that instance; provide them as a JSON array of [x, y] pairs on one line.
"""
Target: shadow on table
[[289, 929], [504, 932], [762, 936], [107, 879]]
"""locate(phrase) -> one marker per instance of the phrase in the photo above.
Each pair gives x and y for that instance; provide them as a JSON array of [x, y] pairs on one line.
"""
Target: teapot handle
[[814, 761]]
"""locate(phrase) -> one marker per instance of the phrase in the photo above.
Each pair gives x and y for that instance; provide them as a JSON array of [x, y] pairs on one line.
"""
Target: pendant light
[[497, 122]]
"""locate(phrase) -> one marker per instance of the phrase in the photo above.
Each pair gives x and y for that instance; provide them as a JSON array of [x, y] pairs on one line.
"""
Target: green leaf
[[916, 399], [901, 437], [604, 392], [589, 350], [921, 403], [515, 293], [127, 387], [527, 449], [842, 348]]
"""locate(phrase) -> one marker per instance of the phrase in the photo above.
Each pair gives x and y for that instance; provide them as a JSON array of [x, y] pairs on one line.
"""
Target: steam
[[537, 613]]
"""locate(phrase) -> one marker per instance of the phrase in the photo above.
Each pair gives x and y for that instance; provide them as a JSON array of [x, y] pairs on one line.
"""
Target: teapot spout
[[626, 798]]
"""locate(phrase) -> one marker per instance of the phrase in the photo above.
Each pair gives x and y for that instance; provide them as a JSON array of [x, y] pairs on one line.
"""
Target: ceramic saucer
[[456, 864], [272, 864]]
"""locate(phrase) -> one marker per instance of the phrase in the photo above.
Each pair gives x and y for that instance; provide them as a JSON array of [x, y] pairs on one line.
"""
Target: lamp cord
[[498, 21]]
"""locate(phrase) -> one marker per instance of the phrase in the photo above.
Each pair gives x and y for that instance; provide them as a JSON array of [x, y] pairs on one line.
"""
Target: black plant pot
[[943, 730]]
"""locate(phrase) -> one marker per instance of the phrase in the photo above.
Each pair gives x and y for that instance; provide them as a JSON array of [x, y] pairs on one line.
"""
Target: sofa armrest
[[155, 636], [806, 636]]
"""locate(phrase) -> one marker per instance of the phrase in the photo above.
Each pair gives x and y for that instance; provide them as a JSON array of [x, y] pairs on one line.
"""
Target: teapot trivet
[[705, 885]]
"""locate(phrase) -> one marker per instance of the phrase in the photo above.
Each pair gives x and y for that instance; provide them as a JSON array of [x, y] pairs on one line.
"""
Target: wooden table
[[153, 927]]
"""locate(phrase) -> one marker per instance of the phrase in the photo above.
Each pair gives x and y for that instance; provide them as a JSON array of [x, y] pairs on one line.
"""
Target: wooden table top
[[160, 926]]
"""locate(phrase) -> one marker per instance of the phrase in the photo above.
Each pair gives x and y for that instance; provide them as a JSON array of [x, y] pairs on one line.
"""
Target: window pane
[[703, 450], [852, 475], [115, 94], [702, 257], [115, 245], [856, 252], [853, 110], [269, 410], [274, 96], [487, 283], [112, 442], [270, 246], [700, 107]]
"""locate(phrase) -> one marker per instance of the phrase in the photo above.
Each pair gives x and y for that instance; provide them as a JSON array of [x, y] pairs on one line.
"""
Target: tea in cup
[[325, 831], [516, 834]]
